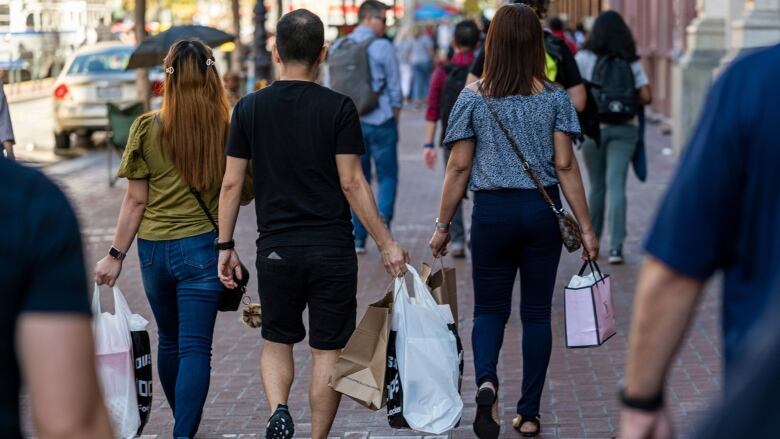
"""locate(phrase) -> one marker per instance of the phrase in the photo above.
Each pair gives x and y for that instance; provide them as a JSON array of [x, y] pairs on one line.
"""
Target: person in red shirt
[[446, 83], [557, 29]]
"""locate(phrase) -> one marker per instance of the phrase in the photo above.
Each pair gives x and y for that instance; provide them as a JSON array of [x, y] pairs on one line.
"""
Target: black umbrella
[[152, 50]]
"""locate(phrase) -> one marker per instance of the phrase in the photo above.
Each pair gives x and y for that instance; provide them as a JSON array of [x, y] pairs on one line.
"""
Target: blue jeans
[[381, 147], [180, 279], [421, 77], [514, 230]]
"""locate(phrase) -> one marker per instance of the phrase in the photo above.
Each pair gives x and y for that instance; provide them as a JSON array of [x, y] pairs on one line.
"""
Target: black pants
[[511, 230]]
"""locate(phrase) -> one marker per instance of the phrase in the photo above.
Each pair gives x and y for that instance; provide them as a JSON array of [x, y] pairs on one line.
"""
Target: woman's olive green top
[[172, 212]]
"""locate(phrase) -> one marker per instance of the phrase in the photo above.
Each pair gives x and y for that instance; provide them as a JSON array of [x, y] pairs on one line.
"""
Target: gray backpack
[[350, 73]]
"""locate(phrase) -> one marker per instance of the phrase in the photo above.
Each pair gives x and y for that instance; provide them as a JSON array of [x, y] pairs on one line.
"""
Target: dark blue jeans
[[514, 230], [381, 148], [180, 279]]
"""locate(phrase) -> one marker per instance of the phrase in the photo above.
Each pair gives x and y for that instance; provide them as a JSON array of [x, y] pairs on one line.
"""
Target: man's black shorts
[[320, 277]]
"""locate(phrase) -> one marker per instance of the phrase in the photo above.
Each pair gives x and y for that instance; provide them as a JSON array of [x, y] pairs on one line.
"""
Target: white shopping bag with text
[[428, 361], [113, 347]]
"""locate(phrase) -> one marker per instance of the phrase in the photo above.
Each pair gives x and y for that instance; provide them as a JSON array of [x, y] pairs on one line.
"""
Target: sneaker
[[458, 250], [360, 247], [280, 425], [616, 257]]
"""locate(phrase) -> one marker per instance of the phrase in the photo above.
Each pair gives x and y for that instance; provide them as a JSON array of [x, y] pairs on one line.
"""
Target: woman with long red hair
[[170, 154]]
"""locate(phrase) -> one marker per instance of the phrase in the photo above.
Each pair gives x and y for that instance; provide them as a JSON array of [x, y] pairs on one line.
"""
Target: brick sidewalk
[[579, 399]]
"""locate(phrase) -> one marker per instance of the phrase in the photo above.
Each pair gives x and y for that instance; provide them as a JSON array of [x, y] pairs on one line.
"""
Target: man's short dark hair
[[466, 35], [372, 8], [300, 36], [540, 6], [555, 24]]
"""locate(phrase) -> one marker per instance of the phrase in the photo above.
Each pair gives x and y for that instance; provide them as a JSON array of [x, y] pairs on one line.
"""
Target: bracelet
[[442, 226], [428, 145], [643, 404]]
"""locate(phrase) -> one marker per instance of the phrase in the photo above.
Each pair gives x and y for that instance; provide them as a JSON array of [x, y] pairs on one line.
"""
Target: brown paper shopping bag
[[443, 286], [360, 370]]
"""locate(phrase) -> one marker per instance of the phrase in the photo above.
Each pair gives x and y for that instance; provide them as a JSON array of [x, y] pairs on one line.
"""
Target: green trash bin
[[119, 122]]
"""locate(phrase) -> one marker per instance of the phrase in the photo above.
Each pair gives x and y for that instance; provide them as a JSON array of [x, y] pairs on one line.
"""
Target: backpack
[[453, 85], [350, 73], [553, 56], [614, 90]]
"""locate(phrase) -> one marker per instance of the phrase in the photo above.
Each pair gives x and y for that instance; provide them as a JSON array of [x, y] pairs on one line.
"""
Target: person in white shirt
[[610, 48]]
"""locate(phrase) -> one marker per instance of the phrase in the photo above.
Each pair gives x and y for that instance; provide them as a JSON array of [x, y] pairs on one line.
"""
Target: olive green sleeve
[[133, 165]]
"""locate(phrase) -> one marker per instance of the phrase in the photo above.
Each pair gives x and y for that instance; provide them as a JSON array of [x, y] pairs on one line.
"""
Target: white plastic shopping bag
[[113, 346], [428, 361]]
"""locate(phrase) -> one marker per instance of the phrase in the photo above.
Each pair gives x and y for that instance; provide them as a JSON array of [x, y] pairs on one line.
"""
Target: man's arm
[[664, 307], [229, 203], [393, 80], [57, 359], [6, 128], [361, 198]]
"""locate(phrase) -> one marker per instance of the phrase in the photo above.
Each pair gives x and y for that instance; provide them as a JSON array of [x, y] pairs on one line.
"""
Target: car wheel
[[62, 140]]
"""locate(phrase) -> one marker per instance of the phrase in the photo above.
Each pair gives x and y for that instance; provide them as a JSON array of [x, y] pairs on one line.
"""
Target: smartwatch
[[643, 404], [230, 245], [116, 253], [442, 226]]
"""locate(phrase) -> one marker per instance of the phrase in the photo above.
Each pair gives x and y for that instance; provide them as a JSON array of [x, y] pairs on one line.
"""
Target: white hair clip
[[169, 70], [210, 62]]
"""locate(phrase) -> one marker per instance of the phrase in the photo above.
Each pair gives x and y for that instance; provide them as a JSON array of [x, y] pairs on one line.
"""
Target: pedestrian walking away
[[446, 84], [421, 56], [560, 66], [6, 128], [170, 153], [609, 62], [46, 339], [380, 121], [305, 143], [720, 213], [512, 226]]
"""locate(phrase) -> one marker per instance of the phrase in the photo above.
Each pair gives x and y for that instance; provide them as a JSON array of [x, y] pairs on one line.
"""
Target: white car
[[94, 76]]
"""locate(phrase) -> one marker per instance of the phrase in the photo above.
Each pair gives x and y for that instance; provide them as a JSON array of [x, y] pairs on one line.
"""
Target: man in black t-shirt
[[45, 331], [305, 144], [568, 73]]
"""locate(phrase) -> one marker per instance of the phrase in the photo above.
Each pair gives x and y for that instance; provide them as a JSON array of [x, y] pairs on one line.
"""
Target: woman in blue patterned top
[[512, 226]]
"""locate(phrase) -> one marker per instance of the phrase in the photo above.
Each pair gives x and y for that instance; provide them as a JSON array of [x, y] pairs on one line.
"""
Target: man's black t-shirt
[[568, 72], [292, 132], [41, 269]]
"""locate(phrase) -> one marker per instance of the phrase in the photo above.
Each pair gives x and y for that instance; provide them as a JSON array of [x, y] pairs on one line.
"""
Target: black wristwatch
[[230, 245], [116, 253], [643, 404]]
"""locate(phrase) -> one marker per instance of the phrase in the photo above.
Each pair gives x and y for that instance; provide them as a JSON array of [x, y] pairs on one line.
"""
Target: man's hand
[[394, 258], [229, 268], [439, 242], [429, 156], [107, 271], [635, 424], [9, 150]]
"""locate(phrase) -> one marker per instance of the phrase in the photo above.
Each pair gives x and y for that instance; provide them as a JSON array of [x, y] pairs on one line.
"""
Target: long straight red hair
[[195, 115]]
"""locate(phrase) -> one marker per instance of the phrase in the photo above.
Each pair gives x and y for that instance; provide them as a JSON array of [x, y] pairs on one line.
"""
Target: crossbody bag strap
[[204, 208], [520, 155]]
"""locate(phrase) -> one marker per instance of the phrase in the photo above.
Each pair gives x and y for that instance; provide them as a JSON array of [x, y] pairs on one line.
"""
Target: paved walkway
[[579, 399]]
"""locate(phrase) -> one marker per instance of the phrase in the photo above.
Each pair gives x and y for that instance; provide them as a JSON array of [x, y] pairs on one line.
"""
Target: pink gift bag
[[588, 310]]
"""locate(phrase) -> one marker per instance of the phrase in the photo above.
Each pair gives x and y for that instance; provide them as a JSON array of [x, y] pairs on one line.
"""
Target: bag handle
[[594, 268], [96, 311], [518, 152]]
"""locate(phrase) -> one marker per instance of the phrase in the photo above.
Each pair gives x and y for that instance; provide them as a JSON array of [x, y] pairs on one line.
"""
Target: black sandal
[[521, 420], [485, 427]]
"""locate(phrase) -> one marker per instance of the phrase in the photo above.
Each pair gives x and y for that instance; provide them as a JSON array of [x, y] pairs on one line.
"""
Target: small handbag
[[230, 299], [570, 230]]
